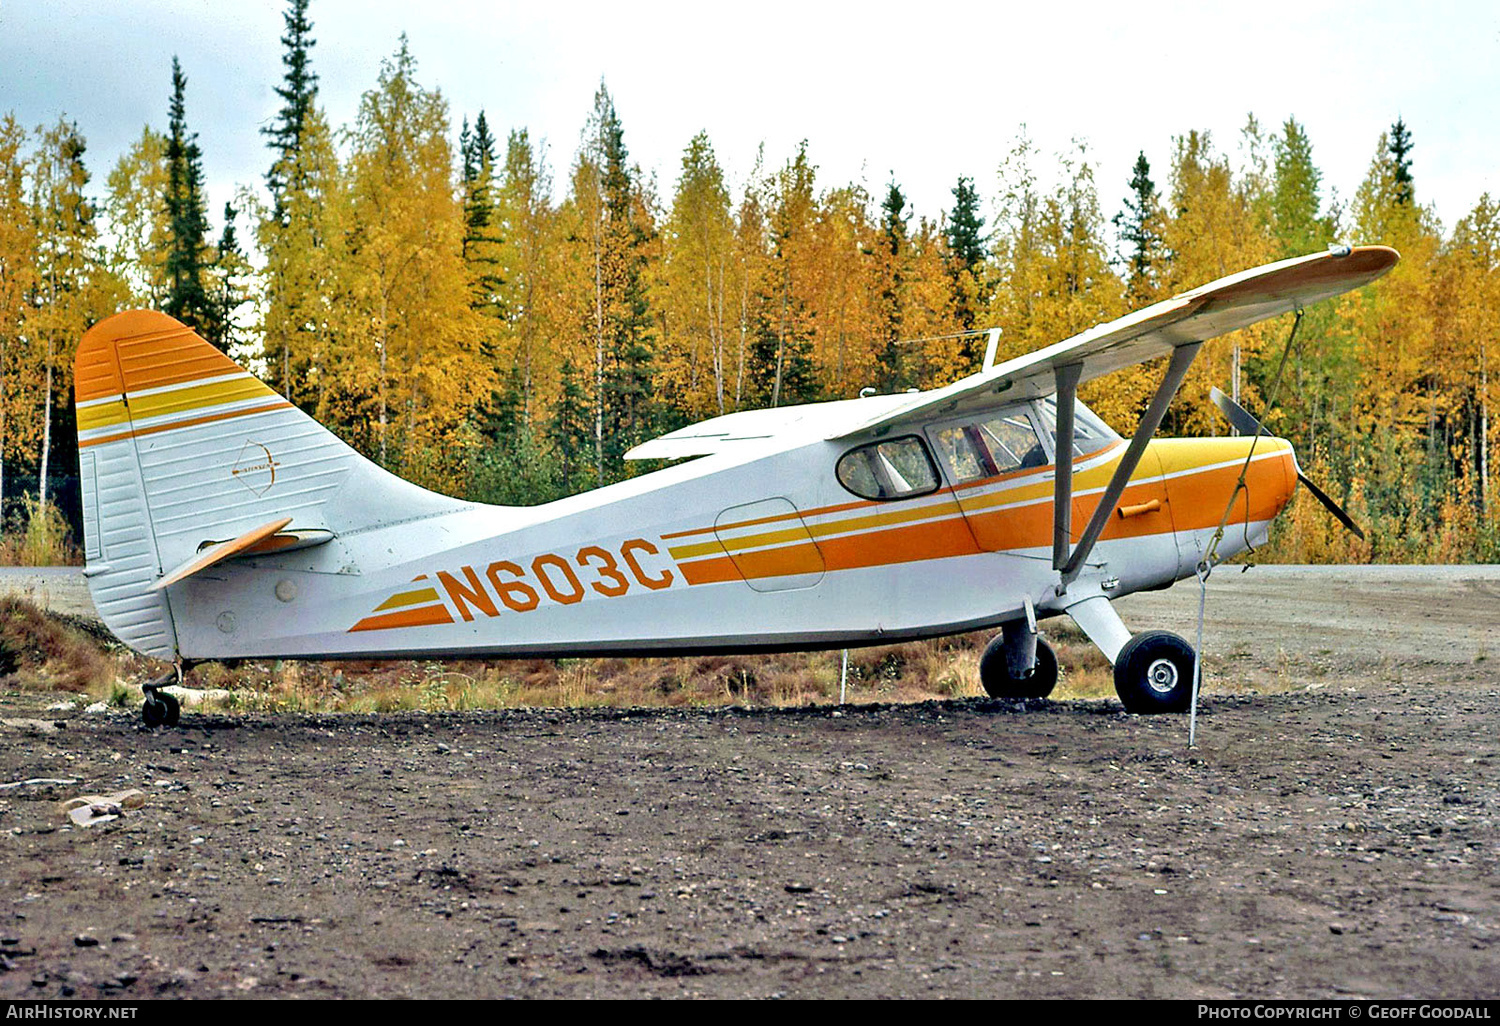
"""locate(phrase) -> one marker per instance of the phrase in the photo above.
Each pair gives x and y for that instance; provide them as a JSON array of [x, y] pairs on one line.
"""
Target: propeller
[[1246, 424]]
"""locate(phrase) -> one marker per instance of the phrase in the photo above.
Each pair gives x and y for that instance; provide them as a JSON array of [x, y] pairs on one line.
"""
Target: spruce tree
[[626, 403], [230, 267], [293, 234], [966, 240], [1401, 147], [893, 237], [569, 431], [781, 369], [966, 252], [298, 92], [187, 224], [1139, 225], [481, 227]]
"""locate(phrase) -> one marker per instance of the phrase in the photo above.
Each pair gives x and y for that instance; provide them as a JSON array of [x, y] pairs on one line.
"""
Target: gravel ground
[[1337, 838]]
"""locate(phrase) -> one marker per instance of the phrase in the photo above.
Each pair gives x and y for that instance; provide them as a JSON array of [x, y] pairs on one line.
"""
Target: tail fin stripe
[[146, 362], [102, 414], [151, 408], [146, 393], [278, 404]]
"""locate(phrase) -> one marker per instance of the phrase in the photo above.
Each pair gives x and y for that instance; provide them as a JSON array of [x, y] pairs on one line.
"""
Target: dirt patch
[[1337, 838], [1333, 844]]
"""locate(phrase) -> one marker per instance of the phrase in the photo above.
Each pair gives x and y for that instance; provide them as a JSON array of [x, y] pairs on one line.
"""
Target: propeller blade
[[1331, 506], [1239, 417], [1246, 424]]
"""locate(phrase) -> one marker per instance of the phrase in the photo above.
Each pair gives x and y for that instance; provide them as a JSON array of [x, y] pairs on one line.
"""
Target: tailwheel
[[161, 709], [1154, 673], [999, 682]]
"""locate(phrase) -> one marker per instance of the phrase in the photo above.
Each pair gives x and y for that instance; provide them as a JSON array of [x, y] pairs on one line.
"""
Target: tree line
[[450, 309]]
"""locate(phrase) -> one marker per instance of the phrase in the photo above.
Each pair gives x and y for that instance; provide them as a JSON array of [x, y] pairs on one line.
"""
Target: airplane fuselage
[[730, 552]]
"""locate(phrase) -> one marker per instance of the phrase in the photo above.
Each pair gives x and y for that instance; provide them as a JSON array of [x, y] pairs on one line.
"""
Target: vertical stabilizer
[[180, 449]]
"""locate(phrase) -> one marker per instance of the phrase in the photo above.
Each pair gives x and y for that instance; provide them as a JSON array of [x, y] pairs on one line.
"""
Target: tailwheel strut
[[161, 708]]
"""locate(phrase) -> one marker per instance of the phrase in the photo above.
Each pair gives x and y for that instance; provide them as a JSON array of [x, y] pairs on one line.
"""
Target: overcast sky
[[922, 91]]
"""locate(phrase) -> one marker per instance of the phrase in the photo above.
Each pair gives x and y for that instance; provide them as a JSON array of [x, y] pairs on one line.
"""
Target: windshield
[[1090, 434]]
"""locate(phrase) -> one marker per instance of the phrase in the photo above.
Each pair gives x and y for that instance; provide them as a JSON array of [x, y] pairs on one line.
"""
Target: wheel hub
[[1161, 676]]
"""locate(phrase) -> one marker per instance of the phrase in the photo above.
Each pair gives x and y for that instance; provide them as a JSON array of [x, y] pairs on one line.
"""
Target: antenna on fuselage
[[992, 343]]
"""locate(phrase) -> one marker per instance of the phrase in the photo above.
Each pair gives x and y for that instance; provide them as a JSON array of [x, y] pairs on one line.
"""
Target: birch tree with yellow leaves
[[697, 257], [18, 279], [405, 368], [530, 251]]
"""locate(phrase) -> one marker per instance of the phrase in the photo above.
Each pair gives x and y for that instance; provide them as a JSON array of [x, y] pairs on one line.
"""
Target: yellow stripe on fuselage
[[408, 598]]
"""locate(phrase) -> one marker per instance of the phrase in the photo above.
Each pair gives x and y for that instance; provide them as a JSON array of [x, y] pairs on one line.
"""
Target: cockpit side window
[[1013, 442], [895, 469], [963, 453], [989, 445]]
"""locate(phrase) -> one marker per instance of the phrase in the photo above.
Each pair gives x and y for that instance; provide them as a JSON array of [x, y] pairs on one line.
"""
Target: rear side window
[[894, 469]]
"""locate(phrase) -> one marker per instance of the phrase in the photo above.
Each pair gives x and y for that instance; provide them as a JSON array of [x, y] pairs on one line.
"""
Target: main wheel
[[994, 673], [1154, 673]]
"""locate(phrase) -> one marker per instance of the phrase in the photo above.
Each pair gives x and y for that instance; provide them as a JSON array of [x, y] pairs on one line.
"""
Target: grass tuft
[[40, 650]]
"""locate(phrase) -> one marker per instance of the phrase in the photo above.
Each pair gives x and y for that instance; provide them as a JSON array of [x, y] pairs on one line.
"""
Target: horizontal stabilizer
[[282, 541], [220, 552]]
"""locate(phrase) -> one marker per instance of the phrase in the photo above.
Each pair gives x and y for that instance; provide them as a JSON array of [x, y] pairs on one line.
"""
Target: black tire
[[174, 709], [995, 676], [1154, 673], [154, 712]]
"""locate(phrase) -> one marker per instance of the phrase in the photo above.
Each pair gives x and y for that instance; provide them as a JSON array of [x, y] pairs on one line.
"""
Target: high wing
[[750, 429], [1206, 312]]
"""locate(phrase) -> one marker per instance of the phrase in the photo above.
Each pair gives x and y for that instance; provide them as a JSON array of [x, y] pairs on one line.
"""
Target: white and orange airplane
[[221, 522]]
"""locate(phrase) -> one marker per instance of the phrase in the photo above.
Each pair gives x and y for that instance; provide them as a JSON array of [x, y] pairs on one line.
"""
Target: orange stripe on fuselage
[[1196, 501], [425, 616]]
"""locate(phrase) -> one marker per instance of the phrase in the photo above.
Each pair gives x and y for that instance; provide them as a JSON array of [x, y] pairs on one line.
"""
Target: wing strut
[[1062, 451], [1182, 358]]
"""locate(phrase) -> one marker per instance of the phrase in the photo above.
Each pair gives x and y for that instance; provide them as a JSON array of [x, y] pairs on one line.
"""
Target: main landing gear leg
[[1153, 669], [1018, 663], [161, 708]]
